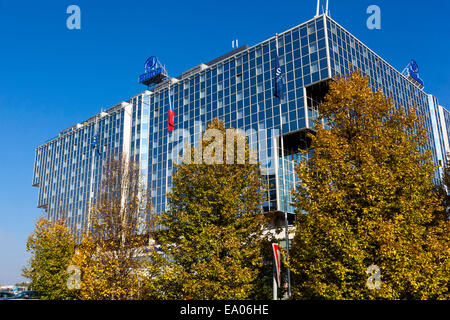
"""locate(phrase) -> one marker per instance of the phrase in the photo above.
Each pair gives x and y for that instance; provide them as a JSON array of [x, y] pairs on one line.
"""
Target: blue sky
[[52, 77]]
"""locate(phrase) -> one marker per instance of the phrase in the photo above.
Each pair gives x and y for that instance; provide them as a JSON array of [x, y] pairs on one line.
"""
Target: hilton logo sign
[[154, 72]]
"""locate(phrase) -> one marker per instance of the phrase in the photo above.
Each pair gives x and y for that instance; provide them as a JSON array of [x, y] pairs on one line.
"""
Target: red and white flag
[[171, 114], [277, 254]]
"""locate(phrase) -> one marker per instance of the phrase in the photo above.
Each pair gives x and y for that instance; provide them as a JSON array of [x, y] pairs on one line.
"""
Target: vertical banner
[[277, 254], [171, 115], [279, 79]]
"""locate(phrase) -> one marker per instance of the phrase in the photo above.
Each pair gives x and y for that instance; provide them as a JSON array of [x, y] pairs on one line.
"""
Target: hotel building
[[238, 89]]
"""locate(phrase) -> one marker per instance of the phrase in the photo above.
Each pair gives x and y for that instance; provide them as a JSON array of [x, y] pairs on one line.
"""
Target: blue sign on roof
[[414, 72], [414, 66], [150, 63], [154, 72]]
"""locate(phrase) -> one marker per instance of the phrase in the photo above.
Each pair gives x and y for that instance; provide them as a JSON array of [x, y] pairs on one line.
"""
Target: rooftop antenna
[[235, 43], [326, 11]]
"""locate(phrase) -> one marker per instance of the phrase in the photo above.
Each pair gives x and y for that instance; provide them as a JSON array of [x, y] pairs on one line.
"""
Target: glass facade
[[443, 124], [346, 51], [237, 89], [67, 169]]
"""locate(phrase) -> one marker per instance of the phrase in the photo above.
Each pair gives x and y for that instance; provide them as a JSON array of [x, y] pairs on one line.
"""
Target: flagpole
[[91, 186], [286, 225], [275, 289], [167, 153], [275, 293]]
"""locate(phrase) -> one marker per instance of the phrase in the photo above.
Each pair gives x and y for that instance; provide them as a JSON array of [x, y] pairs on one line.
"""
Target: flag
[[171, 114], [276, 252], [95, 144], [279, 79]]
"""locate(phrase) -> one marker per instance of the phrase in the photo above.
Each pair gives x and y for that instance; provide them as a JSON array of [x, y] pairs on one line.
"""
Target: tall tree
[[51, 246], [213, 229], [370, 200], [111, 253]]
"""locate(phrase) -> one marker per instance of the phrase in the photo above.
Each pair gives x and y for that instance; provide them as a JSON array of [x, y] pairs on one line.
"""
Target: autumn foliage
[[370, 200], [51, 246], [111, 253], [366, 198], [213, 228]]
